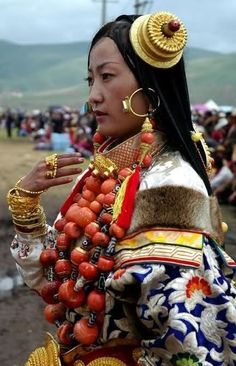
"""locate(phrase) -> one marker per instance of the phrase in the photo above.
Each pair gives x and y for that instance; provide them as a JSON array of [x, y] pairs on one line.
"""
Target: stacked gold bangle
[[27, 214]]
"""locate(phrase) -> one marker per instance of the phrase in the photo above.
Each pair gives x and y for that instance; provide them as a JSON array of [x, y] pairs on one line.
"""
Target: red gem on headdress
[[174, 25]]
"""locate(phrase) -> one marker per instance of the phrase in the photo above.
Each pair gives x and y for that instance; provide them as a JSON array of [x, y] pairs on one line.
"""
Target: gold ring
[[51, 164], [51, 161], [49, 174]]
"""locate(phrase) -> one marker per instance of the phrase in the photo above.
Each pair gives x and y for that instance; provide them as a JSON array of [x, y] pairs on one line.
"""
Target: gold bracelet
[[21, 203], [41, 231], [30, 224], [34, 193], [38, 216]]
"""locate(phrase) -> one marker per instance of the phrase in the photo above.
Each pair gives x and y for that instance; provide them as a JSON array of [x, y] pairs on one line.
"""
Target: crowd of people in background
[[65, 129], [58, 128]]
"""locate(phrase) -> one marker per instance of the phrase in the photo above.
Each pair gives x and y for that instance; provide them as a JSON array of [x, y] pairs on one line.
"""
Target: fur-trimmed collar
[[177, 207]]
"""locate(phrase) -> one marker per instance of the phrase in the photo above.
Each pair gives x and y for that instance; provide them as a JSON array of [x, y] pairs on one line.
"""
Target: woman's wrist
[[26, 192], [27, 214]]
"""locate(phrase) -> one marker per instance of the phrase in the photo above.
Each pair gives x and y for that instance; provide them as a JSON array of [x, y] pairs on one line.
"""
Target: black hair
[[173, 115]]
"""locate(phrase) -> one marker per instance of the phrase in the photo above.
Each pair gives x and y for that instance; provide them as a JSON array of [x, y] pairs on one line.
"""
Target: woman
[[133, 271]]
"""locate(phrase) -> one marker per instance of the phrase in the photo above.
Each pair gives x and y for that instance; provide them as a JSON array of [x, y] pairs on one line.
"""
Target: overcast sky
[[210, 23]]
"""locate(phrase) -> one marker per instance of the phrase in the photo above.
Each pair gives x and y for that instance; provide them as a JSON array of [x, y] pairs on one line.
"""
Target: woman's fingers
[[63, 160], [52, 171]]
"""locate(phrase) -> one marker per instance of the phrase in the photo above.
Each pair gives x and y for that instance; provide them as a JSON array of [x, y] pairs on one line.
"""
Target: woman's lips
[[99, 113], [100, 116]]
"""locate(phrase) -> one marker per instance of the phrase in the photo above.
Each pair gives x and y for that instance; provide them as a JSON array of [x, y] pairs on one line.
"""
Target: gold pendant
[[103, 166]]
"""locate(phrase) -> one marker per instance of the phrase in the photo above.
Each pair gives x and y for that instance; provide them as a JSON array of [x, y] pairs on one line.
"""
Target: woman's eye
[[106, 76], [89, 80]]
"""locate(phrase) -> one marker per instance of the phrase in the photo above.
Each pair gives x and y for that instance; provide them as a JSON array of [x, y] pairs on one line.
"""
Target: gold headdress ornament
[[158, 39]]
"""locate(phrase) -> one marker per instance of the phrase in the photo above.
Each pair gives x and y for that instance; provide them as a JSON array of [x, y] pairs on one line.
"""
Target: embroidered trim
[[161, 246]]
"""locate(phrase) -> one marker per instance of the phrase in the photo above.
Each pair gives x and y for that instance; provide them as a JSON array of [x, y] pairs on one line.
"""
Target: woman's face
[[110, 81]]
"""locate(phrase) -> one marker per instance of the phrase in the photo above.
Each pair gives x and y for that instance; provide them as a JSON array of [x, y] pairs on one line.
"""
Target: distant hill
[[34, 76]]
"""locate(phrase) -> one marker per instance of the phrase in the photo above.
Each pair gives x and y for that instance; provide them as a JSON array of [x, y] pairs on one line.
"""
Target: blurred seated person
[[59, 138], [230, 141], [83, 143], [226, 191], [222, 175]]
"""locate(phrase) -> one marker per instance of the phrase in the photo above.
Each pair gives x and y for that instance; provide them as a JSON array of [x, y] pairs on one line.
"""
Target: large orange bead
[[59, 224], [72, 230], [72, 212], [84, 216], [91, 229], [105, 264], [54, 312], [63, 268], [94, 184], [96, 207], [48, 257], [109, 199], [100, 197], [96, 301], [100, 239], [147, 161], [63, 242], [117, 231], [71, 298], [77, 197], [147, 137], [78, 255], [106, 217], [65, 333], [88, 270], [84, 333], [49, 291], [88, 195], [108, 185], [82, 202], [124, 172], [98, 138]]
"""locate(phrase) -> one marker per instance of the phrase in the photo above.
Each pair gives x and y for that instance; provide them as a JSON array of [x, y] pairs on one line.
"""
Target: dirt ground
[[22, 327]]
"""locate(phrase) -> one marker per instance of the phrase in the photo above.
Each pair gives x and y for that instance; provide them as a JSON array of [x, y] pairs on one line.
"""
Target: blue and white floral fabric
[[186, 316]]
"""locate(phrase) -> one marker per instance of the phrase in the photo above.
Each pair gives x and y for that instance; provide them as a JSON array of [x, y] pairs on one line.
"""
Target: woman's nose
[[95, 94]]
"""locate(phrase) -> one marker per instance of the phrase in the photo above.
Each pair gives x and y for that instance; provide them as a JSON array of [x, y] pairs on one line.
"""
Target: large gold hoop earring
[[127, 103]]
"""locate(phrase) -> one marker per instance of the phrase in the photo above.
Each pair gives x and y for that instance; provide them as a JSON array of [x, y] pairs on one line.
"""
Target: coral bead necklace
[[77, 268]]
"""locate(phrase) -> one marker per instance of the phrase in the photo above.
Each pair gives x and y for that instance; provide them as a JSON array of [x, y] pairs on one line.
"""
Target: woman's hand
[[37, 180]]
